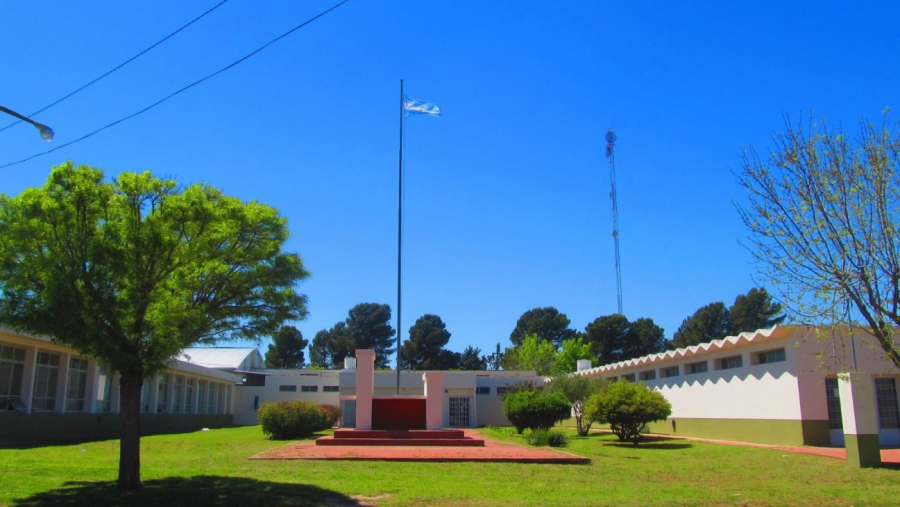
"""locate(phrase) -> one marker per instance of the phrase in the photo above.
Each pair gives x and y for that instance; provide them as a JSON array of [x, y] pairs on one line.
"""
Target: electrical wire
[[195, 83], [126, 62]]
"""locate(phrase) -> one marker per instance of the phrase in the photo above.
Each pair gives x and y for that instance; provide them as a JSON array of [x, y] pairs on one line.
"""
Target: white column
[[62, 383], [859, 415], [434, 399], [27, 391], [365, 387]]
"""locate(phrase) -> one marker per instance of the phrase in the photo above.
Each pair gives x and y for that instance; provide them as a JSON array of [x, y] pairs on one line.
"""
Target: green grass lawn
[[212, 468]]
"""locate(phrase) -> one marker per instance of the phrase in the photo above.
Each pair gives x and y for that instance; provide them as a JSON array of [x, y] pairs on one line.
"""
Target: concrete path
[[493, 451]]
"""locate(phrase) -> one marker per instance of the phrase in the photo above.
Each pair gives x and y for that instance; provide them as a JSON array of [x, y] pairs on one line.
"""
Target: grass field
[[212, 468]]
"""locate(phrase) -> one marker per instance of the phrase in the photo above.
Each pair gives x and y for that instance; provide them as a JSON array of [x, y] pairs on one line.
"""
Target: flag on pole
[[416, 106]]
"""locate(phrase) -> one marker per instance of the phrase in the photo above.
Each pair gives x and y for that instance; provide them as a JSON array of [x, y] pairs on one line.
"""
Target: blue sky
[[507, 204]]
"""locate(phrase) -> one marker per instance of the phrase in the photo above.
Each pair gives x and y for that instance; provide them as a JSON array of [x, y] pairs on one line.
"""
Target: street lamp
[[46, 132]]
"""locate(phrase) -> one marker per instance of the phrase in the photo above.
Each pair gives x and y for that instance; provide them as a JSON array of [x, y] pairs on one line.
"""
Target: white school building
[[776, 386], [772, 386]]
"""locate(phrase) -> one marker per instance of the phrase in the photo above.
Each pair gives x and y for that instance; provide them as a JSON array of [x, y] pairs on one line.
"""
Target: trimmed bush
[[332, 413], [535, 410], [290, 420], [627, 408]]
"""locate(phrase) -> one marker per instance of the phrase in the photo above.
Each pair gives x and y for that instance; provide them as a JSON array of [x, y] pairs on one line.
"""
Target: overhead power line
[[195, 83], [126, 62]]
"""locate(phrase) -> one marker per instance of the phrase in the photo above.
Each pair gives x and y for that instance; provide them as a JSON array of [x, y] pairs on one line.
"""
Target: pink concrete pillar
[[434, 400], [365, 387]]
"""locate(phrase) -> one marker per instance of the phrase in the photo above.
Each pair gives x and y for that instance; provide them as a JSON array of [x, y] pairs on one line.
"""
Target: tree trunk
[[130, 425]]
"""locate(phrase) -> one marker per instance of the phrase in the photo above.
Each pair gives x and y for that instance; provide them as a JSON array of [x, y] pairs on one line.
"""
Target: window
[[46, 375], [189, 396], [501, 391], [728, 363], [220, 391], [331, 389], [671, 371], [176, 394], [833, 398], [228, 399], [76, 385], [104, 389], [211, 401], [612, 379], [145, 396], [201, 396], [771, 356], [886, 396], [648, 375], [256, 403], [309, 389], [629, 377], [287, 389], [459, 412], [482, 390], [12, 367], [698, 368], [162, 390]]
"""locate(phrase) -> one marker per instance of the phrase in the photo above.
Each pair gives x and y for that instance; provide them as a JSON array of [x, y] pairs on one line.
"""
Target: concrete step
[[424, 442], [401, 434]]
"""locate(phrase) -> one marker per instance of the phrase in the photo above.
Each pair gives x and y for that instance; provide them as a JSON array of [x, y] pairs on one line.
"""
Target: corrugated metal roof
[[217, 357]]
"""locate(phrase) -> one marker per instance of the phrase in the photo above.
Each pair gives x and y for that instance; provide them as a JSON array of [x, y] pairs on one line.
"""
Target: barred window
[[309, 389], [833, 397], [886, 396]]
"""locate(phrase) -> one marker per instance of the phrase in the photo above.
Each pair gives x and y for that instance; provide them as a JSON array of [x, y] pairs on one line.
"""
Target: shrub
[[577, 389], [553, 438], [627, 408], [288, 420], [557, 439], [332, 415], [535, 410], [537, 438]]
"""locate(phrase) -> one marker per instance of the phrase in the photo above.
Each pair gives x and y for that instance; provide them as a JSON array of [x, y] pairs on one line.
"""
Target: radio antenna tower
[[610, 154]]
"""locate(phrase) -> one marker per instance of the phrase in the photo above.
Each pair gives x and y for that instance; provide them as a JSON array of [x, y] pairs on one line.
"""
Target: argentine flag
[[416, 106]]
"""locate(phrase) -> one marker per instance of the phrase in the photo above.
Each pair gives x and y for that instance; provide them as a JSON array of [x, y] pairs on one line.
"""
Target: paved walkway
[[493, 451], [887, 455]]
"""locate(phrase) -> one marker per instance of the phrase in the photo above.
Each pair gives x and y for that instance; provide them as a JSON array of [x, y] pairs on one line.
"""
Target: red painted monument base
[[447, 438]]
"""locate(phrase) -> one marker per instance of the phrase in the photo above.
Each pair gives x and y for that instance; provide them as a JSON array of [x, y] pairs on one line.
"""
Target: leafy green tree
[[330, 347], [471, 359], [615, 339], [823, 211], [425, 348], [754, 310], [627, 408], [547, 323], [570, 352], [533, 354], [494, 360], [648, 338], [132, 271], [706, 324], [286, 351], [577, 389], [535, 410], [369, 326]]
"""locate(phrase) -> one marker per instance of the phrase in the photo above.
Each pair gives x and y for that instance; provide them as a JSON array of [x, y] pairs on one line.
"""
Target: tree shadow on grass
[[653, 446], [190, 492]]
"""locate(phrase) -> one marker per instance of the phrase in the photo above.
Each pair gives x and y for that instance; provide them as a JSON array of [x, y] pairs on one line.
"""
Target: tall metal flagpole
[[399, 238]]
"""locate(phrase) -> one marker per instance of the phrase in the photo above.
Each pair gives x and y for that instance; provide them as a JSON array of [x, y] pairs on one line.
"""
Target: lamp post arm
[[46, 132]]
